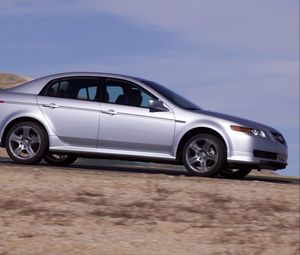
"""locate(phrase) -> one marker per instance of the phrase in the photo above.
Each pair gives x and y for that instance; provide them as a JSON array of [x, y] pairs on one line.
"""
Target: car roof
[[36, 85], [70, 74]]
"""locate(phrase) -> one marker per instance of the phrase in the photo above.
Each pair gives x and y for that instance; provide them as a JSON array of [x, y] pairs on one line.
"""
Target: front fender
[[184, 128]]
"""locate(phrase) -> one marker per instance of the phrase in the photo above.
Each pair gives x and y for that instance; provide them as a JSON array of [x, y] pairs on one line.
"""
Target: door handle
[[52, 105], [110, 112]]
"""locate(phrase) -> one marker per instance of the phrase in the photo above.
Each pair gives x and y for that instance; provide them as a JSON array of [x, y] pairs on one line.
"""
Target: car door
[[127, 124], [71, 107]]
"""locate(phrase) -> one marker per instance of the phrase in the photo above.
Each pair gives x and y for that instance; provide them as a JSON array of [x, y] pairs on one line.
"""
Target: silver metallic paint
[[89, 127]]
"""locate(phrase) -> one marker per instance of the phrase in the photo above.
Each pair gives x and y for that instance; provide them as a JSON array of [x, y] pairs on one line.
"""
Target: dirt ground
[[128, 210]]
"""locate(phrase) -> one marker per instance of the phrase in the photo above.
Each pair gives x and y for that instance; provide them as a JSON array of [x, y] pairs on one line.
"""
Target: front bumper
[[271, 165], [257, 153], [263, 164]]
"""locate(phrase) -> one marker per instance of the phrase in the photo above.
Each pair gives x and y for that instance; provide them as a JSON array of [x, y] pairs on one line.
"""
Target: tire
[[235, 173], [26, 143], [204, 155], [59, 160]]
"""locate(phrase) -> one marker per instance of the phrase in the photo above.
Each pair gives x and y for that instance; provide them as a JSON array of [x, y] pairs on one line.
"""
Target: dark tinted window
[[126, 93], [73, 88]]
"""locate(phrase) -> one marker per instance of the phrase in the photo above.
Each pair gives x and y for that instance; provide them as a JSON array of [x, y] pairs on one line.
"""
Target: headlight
[[250, 131]]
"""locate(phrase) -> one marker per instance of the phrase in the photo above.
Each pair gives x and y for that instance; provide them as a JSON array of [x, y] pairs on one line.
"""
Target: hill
[[8, 80]]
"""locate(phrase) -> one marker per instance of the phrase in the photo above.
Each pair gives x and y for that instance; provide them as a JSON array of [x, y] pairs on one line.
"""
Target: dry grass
[[10, 80], [101, 212]]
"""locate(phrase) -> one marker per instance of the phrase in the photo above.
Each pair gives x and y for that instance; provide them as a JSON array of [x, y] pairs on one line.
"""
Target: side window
[[113, 93], [64, 90], [73, 88], [145, 99], [87, 93], [126, 93]]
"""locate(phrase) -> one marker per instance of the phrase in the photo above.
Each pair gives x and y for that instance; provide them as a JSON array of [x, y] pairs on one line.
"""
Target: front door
[[127, 124]]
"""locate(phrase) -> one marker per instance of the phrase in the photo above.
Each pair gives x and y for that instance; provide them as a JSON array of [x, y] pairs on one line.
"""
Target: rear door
[[71, 107]]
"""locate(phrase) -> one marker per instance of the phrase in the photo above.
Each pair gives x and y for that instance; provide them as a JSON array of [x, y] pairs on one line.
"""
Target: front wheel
[[59, 160], [204, 155], [235, 173]]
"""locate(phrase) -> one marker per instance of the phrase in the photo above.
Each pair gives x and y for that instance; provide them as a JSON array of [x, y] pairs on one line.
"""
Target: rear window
[[73, 88]]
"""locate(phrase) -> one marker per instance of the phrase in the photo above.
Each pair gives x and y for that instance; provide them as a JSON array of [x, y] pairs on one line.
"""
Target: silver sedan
[[64, 116]]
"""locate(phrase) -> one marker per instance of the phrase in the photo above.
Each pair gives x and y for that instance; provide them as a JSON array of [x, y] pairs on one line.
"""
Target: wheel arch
[[21, 119], [193, 132]]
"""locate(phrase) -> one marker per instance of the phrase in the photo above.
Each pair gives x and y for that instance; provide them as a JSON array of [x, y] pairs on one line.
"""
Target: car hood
[[237, 120]]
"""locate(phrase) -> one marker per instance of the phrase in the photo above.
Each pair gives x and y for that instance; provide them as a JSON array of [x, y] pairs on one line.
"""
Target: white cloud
[[43, 7], [267, 24], [279, 67], [239, 24]]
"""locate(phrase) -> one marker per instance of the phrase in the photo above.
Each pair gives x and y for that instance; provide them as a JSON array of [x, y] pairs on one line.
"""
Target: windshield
[[172, 96]]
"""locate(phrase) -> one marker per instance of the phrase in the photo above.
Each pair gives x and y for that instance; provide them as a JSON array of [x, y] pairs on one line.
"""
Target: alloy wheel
[[202, 155], [24, 142]]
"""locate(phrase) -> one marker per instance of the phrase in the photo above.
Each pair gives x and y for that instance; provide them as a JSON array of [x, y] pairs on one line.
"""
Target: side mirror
[[156, 105]]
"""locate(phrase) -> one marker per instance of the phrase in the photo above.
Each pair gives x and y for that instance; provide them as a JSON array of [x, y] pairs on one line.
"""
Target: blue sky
[[236, 56]]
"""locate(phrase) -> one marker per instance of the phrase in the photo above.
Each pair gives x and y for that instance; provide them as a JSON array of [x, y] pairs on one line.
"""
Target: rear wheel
[[234, 173], [59, 160], [204, 155], [26, 143]]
